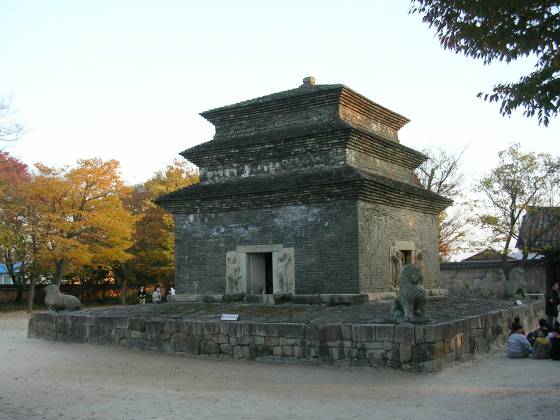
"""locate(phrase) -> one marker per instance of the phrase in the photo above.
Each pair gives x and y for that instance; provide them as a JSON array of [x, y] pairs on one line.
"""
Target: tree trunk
[[59, 271], [31, 294], [18, 280], [124, 283], [19, 293], [506, 268]]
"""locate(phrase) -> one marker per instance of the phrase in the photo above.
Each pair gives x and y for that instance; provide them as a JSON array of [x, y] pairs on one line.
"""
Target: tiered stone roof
[[323, 103], [310, 144], [300, 188]]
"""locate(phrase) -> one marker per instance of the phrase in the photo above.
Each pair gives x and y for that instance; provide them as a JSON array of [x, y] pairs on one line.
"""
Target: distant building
[[540, 233], [5, 279], [488, 254]]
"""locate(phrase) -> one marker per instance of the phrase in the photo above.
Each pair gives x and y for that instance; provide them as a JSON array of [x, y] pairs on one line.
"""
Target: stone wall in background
[[426, 348], [486, 278]]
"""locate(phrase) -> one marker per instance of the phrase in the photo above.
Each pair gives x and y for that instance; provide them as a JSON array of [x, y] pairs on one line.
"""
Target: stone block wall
[[379, 228], [250, 157], [426, 348], [324, 237], [487, 279], [368, 163], [350, 241]]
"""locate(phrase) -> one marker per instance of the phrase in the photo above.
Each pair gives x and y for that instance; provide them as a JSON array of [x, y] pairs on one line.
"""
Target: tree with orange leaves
[[16, 235], [82, 217], [154, 231]]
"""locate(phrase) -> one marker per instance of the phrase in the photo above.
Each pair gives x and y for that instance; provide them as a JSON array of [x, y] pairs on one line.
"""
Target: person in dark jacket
[[554, 344], [141, 295], [542, 331], [551, 305]]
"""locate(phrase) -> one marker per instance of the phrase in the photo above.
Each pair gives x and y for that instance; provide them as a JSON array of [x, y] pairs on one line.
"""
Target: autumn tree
[[16, 245], [497, 30], [518, 182], [82, 217], [154, 231], [441, 174]]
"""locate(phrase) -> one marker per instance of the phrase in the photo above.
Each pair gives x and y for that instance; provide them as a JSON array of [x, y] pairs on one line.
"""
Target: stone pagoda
[[303, 192]]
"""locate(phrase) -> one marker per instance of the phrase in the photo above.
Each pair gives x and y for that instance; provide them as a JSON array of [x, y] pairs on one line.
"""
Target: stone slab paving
[[378, 312]]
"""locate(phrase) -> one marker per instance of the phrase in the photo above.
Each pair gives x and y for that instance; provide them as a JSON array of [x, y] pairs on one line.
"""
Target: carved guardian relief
[[233, 273], [401, 254], [260, 269], [284, 271]]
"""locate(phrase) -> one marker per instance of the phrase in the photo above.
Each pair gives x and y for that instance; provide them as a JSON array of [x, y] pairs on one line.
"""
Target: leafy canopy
[[16, 227], [505, 30], [519, 181], [153, 232], [83, 220]]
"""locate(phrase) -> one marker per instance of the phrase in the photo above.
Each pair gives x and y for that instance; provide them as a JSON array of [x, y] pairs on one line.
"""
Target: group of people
[[141, 296], [544, 342]]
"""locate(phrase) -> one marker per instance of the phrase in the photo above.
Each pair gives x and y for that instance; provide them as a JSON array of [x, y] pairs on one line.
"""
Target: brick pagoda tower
[[306, 191]]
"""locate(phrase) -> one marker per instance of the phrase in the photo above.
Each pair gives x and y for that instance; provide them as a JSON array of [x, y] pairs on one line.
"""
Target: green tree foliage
[[499, 30], [154, 231], [519, 181]]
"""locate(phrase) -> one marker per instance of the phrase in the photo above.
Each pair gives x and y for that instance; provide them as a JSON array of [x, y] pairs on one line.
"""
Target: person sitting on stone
[[514, 325], [518, 345], [541, 331], [551, 304], [539, 341]]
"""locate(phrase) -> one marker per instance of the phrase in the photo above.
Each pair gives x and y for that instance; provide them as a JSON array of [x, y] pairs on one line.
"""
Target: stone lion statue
[[410, 305], [58, 301]]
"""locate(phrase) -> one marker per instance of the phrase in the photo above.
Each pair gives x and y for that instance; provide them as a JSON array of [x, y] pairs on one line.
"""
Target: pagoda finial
[[308, 81]]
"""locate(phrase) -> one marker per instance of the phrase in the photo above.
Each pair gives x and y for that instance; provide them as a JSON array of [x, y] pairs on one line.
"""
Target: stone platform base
[[276, 299], [174, 327], [307, 299]]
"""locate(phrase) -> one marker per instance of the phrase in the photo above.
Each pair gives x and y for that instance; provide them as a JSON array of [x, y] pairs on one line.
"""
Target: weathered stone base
[[269, 299], [183, 297], [431, 293], [422, 348], [306, 299]]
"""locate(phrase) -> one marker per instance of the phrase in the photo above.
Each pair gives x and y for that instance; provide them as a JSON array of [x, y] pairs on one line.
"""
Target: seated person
[[518, 345], [516, 322], [540, 348], [554, 344], [542, 331]]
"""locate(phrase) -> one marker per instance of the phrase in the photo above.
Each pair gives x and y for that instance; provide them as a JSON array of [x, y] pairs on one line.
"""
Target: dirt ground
[[53, 380]]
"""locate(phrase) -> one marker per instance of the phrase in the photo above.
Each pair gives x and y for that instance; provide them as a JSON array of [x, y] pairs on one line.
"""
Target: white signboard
[[230, 317], [519, 302]]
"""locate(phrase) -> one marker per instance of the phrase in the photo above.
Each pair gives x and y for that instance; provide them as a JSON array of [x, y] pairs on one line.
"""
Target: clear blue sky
[[127, 79]]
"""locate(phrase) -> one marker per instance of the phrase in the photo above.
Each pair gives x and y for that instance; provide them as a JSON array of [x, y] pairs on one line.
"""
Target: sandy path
[[51, 380]]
